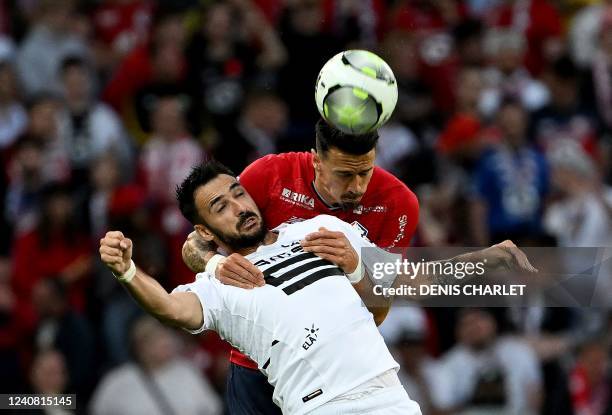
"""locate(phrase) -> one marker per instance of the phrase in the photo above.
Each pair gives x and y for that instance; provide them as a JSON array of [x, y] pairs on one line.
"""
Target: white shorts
[[384, 395]]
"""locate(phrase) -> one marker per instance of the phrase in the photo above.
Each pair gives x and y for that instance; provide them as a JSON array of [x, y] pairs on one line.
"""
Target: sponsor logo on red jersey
[[296, 198], [359, 210]]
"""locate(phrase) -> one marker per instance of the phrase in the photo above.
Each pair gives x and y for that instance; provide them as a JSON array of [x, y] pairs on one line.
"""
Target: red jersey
[[282, 185]]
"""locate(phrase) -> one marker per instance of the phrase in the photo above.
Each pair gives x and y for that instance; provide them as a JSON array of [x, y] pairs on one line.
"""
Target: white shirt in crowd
[[581, 221], [512, 361], [125, 391]]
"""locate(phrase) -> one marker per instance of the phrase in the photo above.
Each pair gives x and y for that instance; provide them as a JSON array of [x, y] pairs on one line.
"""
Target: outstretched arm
[[181, 309], [502, 256]]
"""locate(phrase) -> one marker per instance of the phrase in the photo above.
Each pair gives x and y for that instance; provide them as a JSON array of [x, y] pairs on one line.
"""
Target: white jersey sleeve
[[211, 300]]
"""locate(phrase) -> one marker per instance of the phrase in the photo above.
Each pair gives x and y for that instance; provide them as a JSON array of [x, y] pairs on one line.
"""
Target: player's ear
[[204, 232], [316, 160]]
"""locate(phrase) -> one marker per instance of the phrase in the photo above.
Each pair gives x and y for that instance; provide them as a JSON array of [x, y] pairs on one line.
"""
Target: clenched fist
[[116, 252]]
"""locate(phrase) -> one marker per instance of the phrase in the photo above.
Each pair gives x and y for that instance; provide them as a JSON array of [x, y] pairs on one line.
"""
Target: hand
[[116, 252], [334, 247], [237, 271], [506, 254]]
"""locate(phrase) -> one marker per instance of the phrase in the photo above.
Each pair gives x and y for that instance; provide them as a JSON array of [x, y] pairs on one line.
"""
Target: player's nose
[[357, 185], [239, 207]]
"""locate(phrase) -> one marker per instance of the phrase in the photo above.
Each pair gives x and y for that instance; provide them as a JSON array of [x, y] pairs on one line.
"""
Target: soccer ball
[[356, 91]]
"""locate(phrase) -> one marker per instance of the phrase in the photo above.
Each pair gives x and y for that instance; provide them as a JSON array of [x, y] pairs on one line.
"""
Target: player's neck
[[270, 238], [322, 192]]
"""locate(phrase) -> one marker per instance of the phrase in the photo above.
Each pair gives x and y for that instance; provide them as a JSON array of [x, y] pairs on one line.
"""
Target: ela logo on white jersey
[[297, 198], [311, 336]]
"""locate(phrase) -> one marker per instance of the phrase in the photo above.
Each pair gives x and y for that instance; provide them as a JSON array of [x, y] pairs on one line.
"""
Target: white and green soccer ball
[[356, 91]]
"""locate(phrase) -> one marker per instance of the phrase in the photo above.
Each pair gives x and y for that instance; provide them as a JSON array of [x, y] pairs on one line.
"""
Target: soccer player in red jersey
[[338, 178]]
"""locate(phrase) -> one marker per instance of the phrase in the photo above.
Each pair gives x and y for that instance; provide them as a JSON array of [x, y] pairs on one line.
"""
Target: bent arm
[[180, 309]]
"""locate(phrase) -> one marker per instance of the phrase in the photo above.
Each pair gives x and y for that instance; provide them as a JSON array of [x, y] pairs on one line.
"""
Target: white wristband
[[211, 265], [127, 275], [356, 276]]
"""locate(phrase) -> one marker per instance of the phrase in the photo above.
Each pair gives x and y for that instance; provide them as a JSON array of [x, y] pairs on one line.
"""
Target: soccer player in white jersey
[[307, 328]]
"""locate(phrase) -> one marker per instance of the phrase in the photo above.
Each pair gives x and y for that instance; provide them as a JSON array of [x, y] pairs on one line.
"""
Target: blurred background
[[502, 128]]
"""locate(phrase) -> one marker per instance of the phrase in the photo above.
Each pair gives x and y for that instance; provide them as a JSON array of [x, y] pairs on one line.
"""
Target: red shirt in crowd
[[538, 20], [33, 261], [123, 25], [282, 185], [435, 50]]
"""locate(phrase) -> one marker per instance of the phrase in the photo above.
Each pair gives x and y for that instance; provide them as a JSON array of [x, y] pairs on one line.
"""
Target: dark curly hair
[[199, 176]]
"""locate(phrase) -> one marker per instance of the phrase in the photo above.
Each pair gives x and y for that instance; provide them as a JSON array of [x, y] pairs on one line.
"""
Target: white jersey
[[307, 328]]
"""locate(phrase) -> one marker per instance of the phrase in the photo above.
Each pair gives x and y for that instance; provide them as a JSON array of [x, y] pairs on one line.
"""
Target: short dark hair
[[72, 61], [199, 176], [565, 69], [327, 136], [510, 101]]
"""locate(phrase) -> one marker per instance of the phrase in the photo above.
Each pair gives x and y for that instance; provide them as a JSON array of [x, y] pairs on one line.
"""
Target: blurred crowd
[[502, 128]]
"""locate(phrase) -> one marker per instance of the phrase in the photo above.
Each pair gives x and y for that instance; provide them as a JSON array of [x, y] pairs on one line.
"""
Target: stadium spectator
[[119, 27], [224, 61], [43, 131], [510, 183], [601, 80], [468, 39], [413, 127], [582, 214], [484, 372], [60, 248], [168, 155], [431, 22], [257, 133], [105, 179], [61, 328], [87, 127], [51, 39], [566, 117], [165, 160], [48, 374], [308, 47], [590, 379], [13, 117], [506, 76], [539, 22], [160, 59], [406, 331], [159, 380], [585, 30], [415, 107], [25, 179], [461, 138], [356, 23], [12, 335]]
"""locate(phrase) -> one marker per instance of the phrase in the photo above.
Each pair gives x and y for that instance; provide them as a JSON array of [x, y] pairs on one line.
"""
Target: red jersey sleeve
[[402, 219], [258, 177]]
